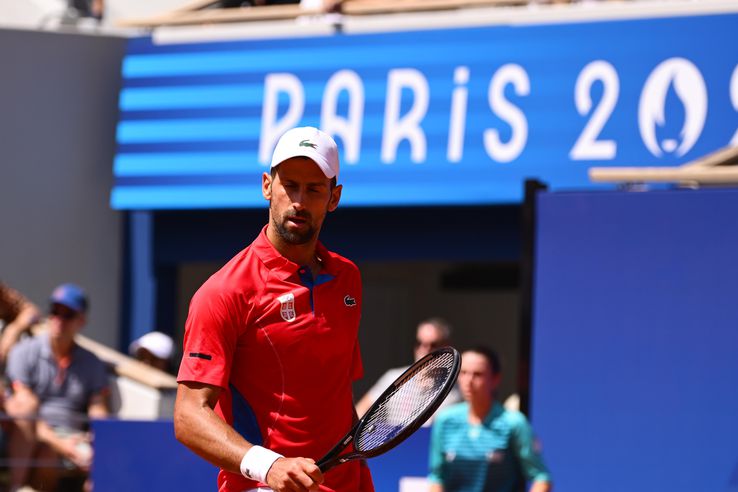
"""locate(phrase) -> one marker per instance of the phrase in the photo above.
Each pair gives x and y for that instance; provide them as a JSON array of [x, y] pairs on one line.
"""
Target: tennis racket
[[403, 407]]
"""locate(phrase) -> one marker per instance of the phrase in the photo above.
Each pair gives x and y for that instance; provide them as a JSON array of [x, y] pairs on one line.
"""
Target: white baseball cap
[[156, 342], [307, 141]]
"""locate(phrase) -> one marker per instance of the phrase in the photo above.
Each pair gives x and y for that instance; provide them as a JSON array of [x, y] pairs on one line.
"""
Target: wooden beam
[[717, 168], [723, 157], [128, 366], [723, 175]]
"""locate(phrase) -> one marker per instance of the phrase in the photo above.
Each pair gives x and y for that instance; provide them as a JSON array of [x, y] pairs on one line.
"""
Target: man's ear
[[335, 197], [266, 186]]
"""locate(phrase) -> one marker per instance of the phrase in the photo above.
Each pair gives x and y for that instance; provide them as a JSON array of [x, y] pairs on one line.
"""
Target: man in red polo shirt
[[271, 340]]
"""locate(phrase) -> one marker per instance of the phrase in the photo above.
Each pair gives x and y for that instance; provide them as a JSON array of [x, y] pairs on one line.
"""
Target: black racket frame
[[334, 456]]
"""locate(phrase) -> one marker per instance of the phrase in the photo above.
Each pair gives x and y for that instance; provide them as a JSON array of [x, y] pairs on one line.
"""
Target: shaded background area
[[58, 100]]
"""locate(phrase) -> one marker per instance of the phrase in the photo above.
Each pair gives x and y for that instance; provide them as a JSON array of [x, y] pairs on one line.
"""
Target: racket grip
[[327, 463]]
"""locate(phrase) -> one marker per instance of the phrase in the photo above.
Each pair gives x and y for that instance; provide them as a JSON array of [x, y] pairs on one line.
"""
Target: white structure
[[138, 391]]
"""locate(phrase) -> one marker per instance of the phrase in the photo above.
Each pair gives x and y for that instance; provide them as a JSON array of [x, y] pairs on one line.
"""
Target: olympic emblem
[[287, 307]]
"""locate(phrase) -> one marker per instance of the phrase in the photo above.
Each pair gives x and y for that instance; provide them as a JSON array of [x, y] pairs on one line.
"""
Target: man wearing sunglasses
[[431, 334], [57, 386]]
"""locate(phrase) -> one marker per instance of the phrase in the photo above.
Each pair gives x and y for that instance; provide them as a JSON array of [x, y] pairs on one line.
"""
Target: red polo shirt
[[285, 350]]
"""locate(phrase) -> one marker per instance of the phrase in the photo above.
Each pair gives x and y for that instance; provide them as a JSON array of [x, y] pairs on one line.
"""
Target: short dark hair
[[492, 358]]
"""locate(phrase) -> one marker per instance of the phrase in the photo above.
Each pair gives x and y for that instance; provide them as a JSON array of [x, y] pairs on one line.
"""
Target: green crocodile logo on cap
[[308, 143]]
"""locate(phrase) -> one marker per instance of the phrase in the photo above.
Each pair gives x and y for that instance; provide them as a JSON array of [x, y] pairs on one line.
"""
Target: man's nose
[[297, 197]]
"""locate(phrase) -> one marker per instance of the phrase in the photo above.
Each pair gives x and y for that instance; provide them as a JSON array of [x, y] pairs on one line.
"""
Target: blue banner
[[436, 117]]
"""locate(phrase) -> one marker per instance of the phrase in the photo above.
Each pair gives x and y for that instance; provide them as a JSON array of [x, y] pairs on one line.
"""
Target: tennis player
[[271, 340]]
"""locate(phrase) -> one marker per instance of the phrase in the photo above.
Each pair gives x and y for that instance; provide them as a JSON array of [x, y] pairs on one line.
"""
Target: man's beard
[[294, 237]]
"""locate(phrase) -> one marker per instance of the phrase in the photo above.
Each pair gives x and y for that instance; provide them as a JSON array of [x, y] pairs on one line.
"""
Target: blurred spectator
[[430, 335], [478, 445], [154, 348], [322, 5], [17, 315], [87, 8], [56, 387]]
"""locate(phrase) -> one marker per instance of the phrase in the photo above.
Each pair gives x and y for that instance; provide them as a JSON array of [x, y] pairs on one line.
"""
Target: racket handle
[[327, 463]]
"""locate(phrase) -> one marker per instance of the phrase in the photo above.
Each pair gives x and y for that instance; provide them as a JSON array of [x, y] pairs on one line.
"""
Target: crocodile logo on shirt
[[349, 301], [287, 307]]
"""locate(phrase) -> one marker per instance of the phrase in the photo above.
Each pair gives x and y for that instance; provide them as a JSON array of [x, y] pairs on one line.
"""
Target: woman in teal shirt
[[479, 446]]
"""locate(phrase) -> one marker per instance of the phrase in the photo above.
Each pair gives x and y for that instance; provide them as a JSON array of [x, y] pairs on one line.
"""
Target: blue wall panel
[[145, 457], [635, 351]]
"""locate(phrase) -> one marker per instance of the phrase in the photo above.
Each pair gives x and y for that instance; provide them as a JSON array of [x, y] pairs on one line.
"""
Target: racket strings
[[405, 403]]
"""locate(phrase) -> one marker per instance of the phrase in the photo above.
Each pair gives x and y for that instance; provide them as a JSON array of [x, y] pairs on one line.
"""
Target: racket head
[[407, 403]]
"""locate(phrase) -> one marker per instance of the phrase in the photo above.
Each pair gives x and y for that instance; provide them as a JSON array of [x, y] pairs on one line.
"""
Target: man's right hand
[[294, 474], [77, 450]]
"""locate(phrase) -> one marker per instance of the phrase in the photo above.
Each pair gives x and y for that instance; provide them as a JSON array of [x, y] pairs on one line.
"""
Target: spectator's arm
[[72, 447], [28, 315], [98, 407], [22, 403], [527, 449], [363, 405], [540, 486], [47, 435]]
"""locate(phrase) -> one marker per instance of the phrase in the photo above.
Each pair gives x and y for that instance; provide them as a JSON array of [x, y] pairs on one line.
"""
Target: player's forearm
[[205, 433]]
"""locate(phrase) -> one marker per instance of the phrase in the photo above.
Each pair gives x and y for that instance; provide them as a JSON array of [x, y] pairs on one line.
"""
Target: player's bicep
[[193, 395], [211, 337]]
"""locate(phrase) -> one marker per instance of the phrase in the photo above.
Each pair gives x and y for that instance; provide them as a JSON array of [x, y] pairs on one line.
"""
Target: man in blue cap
[[57, 386]]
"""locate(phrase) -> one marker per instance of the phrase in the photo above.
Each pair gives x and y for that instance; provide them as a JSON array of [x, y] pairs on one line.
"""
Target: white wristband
[[256, 463]]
